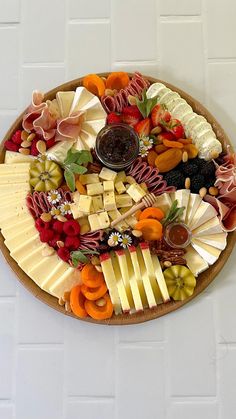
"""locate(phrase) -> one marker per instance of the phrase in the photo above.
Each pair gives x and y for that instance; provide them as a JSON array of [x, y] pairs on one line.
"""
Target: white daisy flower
[[143, 151], [114, 238], [55, 212], [65, 208], [53, 197], [146, 142], [126, 241]]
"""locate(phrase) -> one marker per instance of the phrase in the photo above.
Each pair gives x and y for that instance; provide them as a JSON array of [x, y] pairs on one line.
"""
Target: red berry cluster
[[14, 144], [55, 231]]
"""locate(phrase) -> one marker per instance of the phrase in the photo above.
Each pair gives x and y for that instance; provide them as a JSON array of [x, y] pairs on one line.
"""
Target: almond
[[132, 100], [101, 302], [24, 135], [41, 146], [31, 137], [187, 183], [25, 144], [137, 233], [25, 151], [167, 264], [98, 268], [48, 251], [156, 130], [202, 192], [61, 218], [60, 243], [61, 301], [185, 157], [95, 260], [46, 217], [213, 191], [109, 92]]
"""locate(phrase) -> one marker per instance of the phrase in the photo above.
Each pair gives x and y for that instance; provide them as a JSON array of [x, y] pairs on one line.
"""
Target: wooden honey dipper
[[147, 201]]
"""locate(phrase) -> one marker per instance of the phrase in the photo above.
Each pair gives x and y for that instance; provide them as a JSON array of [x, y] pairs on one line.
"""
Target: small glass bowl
[[117, 146], [178, 227]]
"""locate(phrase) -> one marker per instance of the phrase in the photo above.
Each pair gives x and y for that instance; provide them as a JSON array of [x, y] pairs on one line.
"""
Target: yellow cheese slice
[[160, 279], [124, 298], [138, 276], [151, 273], [11, 169], [15, 241], [182, 196], [26, 247], [134, 284], [15, 157], [195, 262], [111, 282], [18, 228], [146, 281], [64, 283], [12, 179]]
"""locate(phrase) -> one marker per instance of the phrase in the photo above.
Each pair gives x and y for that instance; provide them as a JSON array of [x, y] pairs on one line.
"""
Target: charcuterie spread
[[116, 196]]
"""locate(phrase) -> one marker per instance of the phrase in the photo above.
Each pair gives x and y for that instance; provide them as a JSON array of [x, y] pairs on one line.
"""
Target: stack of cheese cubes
[[109, 194]]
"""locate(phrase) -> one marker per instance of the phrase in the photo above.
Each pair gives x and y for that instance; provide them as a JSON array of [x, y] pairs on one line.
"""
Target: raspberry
[[53, 242], [16, 138], [41, 225], [72, 243], [64, 253], [58, 226], [9, 145], [71, 228], [33, 149], [46, 235], [50, 143], [113, 118]]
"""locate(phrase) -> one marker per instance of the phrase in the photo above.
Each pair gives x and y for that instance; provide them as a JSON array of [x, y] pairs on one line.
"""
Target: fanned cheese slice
[[195, 262], [204, 213], [207, 252], [182, 196], [14, 169], [125, 299], [146, 281], [193, 204], [216, 240], [65, 100], [163, 201], [210, 227]]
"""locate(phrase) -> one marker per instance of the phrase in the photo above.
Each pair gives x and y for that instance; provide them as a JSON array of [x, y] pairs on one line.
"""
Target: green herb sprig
[[173, 214], [74, 164], [79, 256], [146, 105]]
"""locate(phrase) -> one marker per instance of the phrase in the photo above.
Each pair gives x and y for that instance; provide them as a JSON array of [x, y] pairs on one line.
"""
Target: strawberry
[[64, 253], [143, 127], [9, 145], [113, 118], [158, 114], [33, 149], [50, 143], [166, 136], [175, 127], [71, 228], [16, 138], [131, 115]]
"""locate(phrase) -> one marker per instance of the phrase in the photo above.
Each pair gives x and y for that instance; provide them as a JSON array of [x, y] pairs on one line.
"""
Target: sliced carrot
[[91, 277], [151, 229], [151, 157], [93, 294], [94, 84], [80, 188], [191, 150], [77, 302], [160, 148], [117, 80], [100, 312], [172, 144], [185, 140], [152, 212]]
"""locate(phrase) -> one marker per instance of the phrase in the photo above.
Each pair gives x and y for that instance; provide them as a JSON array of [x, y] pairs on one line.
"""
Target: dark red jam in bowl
[[117, 146], [177, 235]]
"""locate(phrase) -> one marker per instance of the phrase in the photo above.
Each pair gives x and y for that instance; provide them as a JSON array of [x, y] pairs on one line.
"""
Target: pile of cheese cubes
[[109, 194]]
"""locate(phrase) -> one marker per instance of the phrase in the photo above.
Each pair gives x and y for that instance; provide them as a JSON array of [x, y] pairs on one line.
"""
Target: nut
[[60, 243], [101, 302], [167, 264], [156, 130], [132, 100], [104, 79], [84, 229], [61, 218], [46, 217], [159, 139], [41, 146], [67, 306], [98, 268], [25, 151], [61, 301], [130, 180], [202, 192], [25, 144], [137, 233], [66, 296], [184, 157], [31, 137], [110, 92], [213, 191], [214, 154], [24, 135], [95, 260], [187, 183], [48, 251], [111, 243]]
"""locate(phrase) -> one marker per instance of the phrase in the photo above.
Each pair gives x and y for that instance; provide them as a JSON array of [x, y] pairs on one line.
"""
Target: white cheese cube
[[123, 201], [109, 201], [136, 192], [120, 187], [108, 185], [85, 203], [90, 178], [97, 203], [121, 176], [94, 222], [103, 220], [75, 196], [122, 225], [95, 189], [75, 211], [107, 174]]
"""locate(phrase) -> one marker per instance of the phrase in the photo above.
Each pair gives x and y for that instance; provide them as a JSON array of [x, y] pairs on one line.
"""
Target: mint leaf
[[84, 156], [79, 256], [173, 214], [76, 168], [70, 179], [70, 157], [146, 105]]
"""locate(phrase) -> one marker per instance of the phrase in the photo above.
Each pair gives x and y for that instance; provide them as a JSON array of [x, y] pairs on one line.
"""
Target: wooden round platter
[[203, 280]]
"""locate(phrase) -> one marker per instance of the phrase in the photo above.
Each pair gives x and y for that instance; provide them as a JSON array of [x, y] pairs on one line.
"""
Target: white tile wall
[[177, 367]]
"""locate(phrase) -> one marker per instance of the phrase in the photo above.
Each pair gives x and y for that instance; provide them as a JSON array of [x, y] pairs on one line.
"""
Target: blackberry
[[197, 182], [175, 178], [208, 170], [189, 168], [209, 182], [200, 162]]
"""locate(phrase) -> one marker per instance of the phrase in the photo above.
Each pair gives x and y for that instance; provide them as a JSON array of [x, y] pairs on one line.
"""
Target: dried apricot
[[191, 150], [168, 160], [151, 157]]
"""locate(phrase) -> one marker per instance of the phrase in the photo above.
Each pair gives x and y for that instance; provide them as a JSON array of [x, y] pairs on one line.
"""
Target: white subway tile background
[[176, 367]]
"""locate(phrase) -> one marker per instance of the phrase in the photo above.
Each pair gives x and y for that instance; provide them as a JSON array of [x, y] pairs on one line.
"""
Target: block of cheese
[[111, 281], [131, 221], [151, 272], [74, 207], [136, 192], [109, 201], [203, 214], [15, 157], [89, 178], [75, 196], [99, 221], [120, 187], [84, 204], [94, 222], [97, 203], [124, 200], [107, 174], [125, 295], [108, 185], [209, 253], [195, 262], [121, 176], [95, 188], [122, 225]]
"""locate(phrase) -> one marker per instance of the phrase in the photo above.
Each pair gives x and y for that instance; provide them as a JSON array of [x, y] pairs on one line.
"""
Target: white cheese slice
[[151, 273], [216, 240], [146, 281], [125, 295], [12, 230], [194, 261], [111, 282], [63, 284], [160, 279], [193, 204], [210, 227], [15, 157], [207, 252], [203, 214], [163, 202], [134, 284], [182, 196], [65, 100]]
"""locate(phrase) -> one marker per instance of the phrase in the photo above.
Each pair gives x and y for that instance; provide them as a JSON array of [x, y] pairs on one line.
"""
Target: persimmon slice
[[93, 294], [152, 212], [77, 302], [94, 84], [91, 277], [117, 80], [151, 229], [98, 312]]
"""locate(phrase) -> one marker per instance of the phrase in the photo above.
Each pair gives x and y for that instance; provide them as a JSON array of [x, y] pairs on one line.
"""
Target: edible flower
[[53, 197], [55, 212], [146, 142], [65, 208], [114, 238], [126, 241]]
